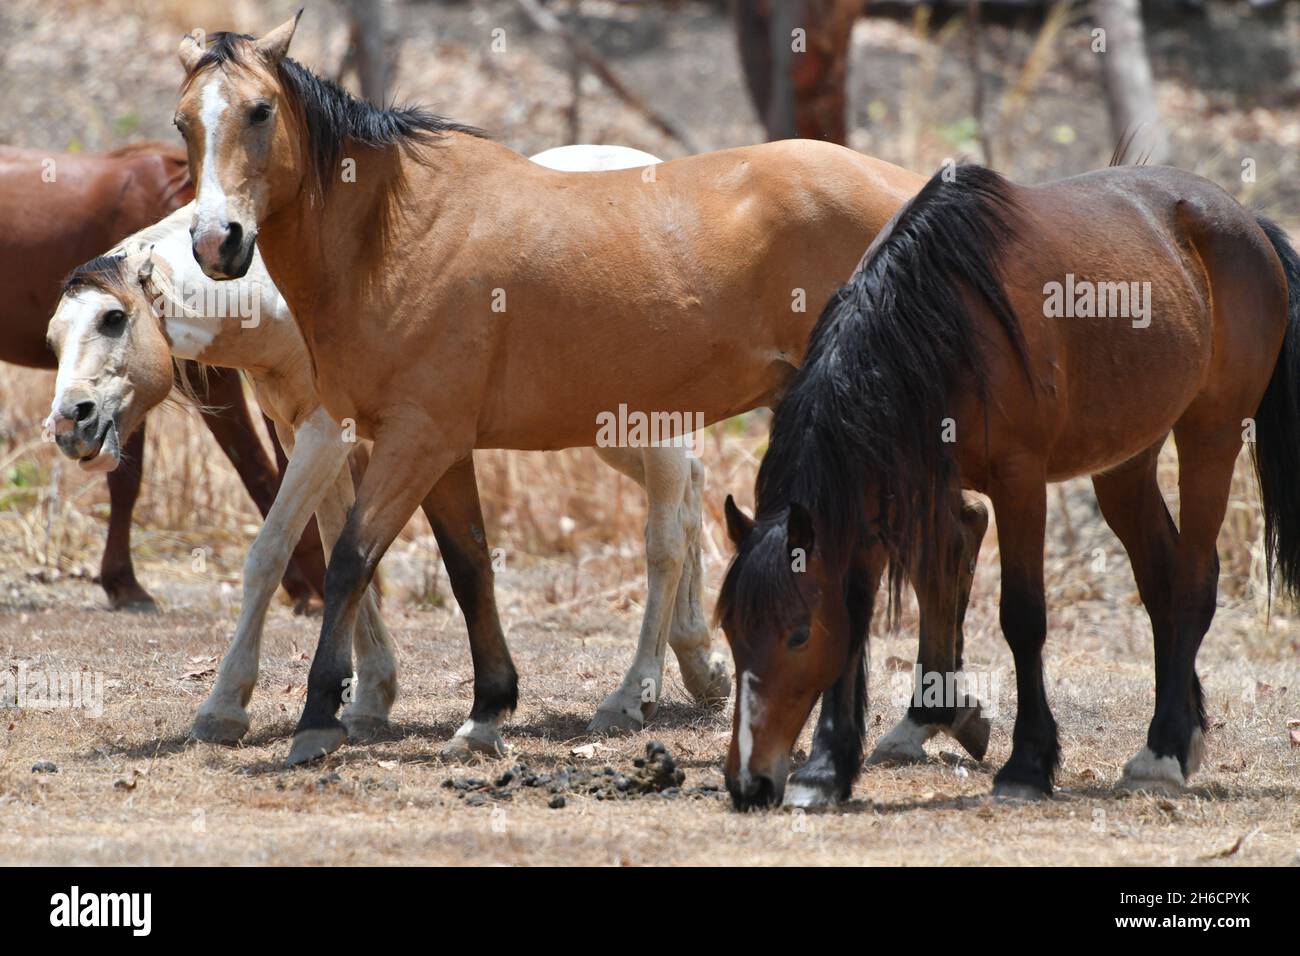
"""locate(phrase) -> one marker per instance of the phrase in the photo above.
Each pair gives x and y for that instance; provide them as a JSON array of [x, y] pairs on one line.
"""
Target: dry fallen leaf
[[897, 664], [199, 674]]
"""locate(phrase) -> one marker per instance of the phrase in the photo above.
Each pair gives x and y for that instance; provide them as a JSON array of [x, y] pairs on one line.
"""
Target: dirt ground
[[129, 788]]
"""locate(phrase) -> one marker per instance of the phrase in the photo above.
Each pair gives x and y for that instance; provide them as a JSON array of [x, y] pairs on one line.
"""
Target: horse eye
[[112, 320], [797, 640], [261, 113]]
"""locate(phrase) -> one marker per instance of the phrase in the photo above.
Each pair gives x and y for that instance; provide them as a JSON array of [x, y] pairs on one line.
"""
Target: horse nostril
[[234, 239], [82, 411]]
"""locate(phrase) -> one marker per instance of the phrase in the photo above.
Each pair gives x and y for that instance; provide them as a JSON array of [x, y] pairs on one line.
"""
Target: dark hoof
[[219, 729], [309, 745], [972, 733], [1011, 792], [131, 597]]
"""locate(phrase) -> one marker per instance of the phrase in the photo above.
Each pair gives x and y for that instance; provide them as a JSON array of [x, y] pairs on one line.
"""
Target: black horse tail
[[1276, 449]]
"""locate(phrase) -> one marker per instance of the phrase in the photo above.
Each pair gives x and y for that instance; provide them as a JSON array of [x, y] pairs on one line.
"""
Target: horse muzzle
[[86, 434], [223, 251], [755, 791]]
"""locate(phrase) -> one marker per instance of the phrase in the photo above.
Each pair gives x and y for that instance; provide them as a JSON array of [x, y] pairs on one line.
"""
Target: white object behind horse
[[593, 158]]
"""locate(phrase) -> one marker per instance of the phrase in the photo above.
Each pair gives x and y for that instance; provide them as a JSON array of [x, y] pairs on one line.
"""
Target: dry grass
[[128, 787]]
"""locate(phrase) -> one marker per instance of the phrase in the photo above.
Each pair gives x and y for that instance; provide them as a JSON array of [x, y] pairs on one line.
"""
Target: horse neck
[[228, 338], [326, 256]]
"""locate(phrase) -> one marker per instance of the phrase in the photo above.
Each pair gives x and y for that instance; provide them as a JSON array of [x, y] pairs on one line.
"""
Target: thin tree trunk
[[1126, 77], [367, 18]]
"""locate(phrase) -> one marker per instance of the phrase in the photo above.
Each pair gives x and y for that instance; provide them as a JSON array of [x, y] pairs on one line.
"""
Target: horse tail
[[1276, 450]]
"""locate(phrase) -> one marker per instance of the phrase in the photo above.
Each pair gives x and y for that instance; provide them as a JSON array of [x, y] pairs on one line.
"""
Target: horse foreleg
[[406, 463], [943, 592], [836, 758], [116, 572], [454, 512], [317, 460], [231, 425]]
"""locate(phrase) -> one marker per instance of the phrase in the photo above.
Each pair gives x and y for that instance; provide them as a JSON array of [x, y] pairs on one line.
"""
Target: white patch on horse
[[593, 158], [751, 712], [210, 211], [79, 313]]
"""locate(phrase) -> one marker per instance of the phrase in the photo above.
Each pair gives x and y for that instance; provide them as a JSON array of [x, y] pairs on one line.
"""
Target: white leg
[[665, 475], [705, 672], [315, 456]]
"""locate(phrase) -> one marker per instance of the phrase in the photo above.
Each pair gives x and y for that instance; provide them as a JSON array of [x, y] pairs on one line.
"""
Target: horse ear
[[191, 48], [739, 524], [145, 272], [275, 44], [799, 528]]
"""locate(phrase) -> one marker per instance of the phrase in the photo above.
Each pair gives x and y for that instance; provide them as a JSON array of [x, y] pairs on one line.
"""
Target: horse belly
[[1125, 389]]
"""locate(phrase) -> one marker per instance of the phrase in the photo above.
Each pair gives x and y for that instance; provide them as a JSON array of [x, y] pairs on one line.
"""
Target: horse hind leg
[[704, 671], [665, 475], [116, 571], [958, 714], [1175, 738]]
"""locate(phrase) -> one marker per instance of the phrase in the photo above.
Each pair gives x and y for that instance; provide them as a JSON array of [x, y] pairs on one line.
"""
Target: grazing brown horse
[[61, 209], [999, 337], [453, 295]]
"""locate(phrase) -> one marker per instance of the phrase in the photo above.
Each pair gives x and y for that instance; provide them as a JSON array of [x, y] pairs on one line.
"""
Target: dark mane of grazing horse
[[332, 116], [864, 411]]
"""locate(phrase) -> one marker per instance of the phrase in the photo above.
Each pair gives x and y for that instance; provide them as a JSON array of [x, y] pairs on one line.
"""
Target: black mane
[[864, 412], [332, 116]]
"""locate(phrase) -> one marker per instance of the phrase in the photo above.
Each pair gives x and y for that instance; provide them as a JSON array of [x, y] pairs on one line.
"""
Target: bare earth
[[129, 788]]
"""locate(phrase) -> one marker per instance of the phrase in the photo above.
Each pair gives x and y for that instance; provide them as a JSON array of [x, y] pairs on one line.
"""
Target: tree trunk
[[367, 18], [1126, 77]]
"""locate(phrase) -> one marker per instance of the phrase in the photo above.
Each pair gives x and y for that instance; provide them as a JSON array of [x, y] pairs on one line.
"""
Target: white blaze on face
[[210, 208], [78, 313], [593, 158], [751, 713]]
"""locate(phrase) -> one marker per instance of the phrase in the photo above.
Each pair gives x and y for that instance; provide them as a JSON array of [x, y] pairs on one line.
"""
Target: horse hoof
[[363, 728], [973, 736], [219, 728], [611, 722], [309, 745], [809, 796], [1017, 793], [465, 747], [1152, 774], [896, 754], [715, 689], [134, 601]]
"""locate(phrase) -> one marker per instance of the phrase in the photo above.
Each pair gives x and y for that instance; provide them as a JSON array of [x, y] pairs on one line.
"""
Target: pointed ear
[[145, 272], [739, 524], [191, 48], [275, 44], [799, 528]]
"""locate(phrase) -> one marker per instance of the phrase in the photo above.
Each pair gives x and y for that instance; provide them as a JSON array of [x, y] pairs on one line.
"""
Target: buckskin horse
[[123, 318], [61, 209], [453, 295], [1185, 318]]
